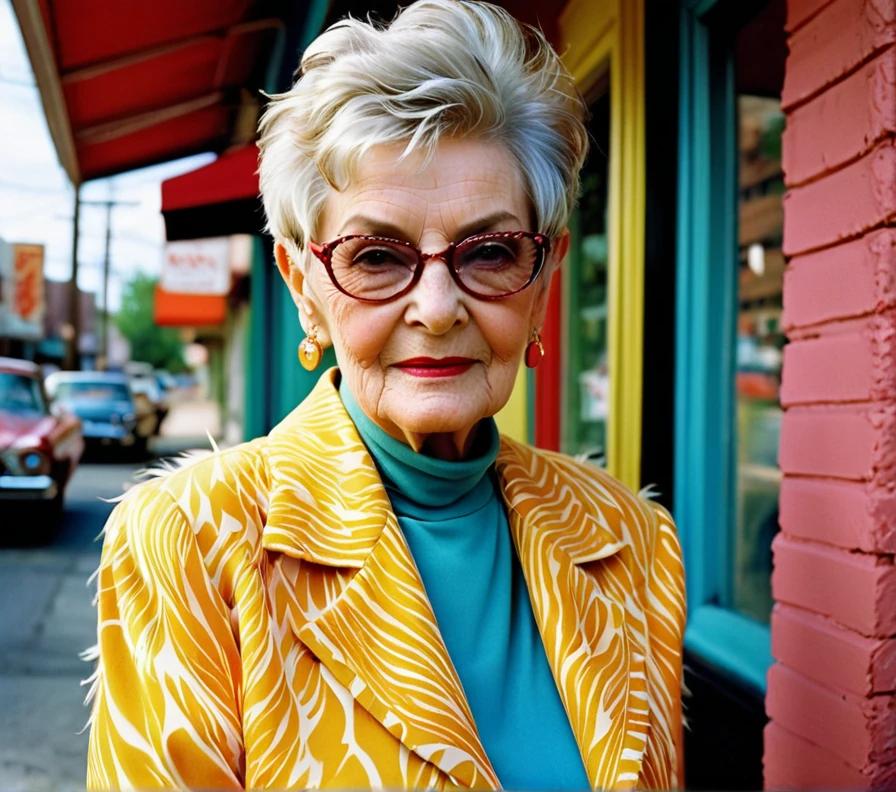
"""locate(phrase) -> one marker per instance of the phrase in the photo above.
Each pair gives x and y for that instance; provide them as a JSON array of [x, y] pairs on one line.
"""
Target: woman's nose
[[436, 302]]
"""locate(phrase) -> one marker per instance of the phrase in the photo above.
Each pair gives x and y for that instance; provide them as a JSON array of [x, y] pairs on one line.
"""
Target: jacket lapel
[[366, 616], [572, 543]]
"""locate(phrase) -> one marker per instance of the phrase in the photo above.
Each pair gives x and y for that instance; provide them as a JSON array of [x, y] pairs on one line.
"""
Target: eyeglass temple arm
[[323, 252]]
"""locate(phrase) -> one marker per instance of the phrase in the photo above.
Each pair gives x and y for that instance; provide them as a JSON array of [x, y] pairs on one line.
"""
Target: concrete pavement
[[47, 618]]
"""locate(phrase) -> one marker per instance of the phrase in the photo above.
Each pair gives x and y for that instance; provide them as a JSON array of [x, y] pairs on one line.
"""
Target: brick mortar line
[[880, 694], [833, 621], [887, 222], [853, 551], [812, 327], [808, 19], [888, 135], [788, 109]]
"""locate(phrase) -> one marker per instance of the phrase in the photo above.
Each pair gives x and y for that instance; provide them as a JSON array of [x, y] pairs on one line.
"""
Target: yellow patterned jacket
[[262, 623]]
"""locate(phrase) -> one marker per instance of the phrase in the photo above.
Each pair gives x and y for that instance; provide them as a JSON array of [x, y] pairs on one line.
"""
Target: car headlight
[[33, 462], [13, 460]]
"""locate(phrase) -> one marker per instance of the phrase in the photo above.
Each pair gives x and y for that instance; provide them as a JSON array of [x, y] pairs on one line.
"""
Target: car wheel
[[50, 519], [140, 449]]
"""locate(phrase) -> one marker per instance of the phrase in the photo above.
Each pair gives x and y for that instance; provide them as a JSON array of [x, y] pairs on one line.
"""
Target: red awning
[[231, 177], [127, 84], [218, 199]]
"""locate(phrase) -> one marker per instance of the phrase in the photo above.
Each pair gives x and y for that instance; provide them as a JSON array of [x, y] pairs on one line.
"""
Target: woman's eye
[[489, 253], [376, 257]]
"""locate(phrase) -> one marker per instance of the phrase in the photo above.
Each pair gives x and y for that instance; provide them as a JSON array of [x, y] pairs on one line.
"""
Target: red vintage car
[[39, 448]]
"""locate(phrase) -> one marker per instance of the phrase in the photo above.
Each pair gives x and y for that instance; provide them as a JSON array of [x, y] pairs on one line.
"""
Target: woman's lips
[[435, 367]]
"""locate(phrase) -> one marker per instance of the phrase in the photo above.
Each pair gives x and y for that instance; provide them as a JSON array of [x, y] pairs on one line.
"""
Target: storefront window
[[586, 377], [759, 344]]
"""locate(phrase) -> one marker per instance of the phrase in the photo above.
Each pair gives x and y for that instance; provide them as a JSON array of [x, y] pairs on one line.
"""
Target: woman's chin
[[436, 417], [434, 425]]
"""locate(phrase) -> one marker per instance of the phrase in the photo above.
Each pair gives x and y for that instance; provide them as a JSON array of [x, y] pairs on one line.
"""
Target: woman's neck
[[447, 446]]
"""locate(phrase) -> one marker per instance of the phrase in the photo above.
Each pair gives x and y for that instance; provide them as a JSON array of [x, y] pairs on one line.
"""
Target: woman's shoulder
[[210, 501], [232, 479]]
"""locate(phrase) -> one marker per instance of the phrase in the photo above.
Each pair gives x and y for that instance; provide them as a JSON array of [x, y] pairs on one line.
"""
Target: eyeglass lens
[[490, 266]]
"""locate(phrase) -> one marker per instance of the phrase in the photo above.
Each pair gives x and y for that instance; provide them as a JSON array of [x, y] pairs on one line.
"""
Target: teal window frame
[[275, 382], [706, 315]]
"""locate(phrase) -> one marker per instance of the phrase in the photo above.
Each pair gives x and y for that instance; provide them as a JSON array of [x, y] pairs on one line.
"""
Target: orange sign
[[174, 309], [27, 283]]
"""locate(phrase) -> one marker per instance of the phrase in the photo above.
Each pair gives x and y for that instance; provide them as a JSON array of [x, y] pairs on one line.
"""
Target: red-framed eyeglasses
[[486, 266]]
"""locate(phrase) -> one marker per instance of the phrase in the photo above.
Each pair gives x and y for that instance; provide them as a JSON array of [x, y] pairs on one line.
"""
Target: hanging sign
[[197, 266], [28, 282], [22, 275]]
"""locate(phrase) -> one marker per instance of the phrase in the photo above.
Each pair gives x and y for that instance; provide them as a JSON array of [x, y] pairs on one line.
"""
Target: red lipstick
[[435, 367]]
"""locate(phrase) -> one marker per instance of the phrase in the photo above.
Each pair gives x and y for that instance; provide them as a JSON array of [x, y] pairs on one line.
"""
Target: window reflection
[[587, 379], [759, 344], [20, 395]]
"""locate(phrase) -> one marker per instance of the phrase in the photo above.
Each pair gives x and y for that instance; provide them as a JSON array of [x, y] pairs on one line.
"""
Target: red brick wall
[[832, 692]]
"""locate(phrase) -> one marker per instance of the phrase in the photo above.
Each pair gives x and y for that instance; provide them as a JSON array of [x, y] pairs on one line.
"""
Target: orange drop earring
[[534, 350], [310, 351]]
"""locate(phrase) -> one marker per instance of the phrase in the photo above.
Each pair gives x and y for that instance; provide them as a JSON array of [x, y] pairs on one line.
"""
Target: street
[[47, 620]]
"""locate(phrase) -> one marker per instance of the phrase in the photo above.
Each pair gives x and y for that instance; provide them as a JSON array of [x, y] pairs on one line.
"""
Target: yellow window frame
[[598, 37]]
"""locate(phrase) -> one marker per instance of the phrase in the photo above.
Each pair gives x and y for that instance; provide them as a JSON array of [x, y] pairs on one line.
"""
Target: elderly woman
[[383, 592]]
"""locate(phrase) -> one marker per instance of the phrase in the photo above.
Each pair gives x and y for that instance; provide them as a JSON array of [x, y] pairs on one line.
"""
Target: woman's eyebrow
[[362, 224], [486, 223]]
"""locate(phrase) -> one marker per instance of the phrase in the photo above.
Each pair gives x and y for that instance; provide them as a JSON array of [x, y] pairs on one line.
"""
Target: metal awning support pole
[[73, 357], [104, 336]]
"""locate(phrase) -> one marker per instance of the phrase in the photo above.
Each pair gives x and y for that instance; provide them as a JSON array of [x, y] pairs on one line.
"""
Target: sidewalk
[[187, 426]]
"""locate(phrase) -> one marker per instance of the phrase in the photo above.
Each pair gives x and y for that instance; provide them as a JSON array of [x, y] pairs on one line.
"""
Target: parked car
[[145, 385], [39, 447], [166, 380], [186, 380], [106, 405]]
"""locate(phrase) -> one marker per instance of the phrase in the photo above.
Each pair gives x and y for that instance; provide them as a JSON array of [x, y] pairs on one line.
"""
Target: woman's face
[[468, 187]]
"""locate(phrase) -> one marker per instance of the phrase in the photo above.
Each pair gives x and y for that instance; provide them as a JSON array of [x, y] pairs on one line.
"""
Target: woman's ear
[[294, 278], [290, 272]]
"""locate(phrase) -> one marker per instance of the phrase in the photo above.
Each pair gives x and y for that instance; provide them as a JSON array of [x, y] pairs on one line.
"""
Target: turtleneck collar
[[419, 484]]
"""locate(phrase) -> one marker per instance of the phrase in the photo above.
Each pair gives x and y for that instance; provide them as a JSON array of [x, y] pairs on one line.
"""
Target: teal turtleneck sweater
[[453, 519]]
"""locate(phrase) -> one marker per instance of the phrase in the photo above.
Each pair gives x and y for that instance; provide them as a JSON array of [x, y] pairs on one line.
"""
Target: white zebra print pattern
[[263, 625]]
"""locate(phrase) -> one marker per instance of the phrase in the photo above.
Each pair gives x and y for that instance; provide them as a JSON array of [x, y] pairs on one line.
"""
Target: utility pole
[[104, 331], [73, 334], [104, 320]]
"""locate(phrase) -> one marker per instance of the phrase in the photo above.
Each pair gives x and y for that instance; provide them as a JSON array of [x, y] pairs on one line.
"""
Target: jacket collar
[[328, 506], [327, 503]]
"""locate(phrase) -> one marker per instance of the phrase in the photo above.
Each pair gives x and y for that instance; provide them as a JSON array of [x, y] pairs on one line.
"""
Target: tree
[[160, 346]]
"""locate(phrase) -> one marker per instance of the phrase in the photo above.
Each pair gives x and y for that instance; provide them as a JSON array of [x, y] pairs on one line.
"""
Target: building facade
[[722, 334]]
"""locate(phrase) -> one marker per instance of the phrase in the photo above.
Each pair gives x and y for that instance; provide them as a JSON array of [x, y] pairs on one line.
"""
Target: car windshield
[[96, 391], [20, 394]]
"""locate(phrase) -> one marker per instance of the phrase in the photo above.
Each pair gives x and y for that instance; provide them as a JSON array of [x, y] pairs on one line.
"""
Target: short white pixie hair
[[442, 67]]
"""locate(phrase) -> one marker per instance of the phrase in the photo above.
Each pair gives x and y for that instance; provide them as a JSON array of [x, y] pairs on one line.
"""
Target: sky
[[36, 197]]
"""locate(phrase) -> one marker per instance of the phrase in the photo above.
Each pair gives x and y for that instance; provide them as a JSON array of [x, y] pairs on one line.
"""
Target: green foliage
[[772, 135], [160, 346]]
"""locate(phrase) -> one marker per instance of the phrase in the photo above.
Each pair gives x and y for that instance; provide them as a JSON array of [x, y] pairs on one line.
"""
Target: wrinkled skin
[[469, 186]]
